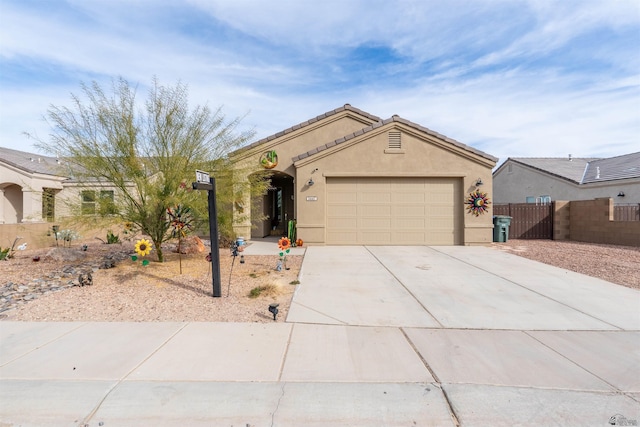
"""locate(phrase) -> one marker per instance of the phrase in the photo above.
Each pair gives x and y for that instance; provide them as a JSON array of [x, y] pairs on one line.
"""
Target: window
[[88, 202], [48, 204], [530, 199], [94, 202]]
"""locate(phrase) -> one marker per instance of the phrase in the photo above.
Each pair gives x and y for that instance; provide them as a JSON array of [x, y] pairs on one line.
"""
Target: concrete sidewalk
[[269, 246], [375, 336]]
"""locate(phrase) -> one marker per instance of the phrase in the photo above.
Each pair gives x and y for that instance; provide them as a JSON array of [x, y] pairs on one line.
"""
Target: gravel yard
[[617, 264], [44, 291], [157, 292]]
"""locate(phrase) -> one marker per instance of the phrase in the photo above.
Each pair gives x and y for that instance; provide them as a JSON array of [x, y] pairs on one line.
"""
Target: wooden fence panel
[[528, 221], [626, 213]]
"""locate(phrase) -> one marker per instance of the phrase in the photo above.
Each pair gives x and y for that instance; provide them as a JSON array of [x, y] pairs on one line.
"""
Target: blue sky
[[512, 78]]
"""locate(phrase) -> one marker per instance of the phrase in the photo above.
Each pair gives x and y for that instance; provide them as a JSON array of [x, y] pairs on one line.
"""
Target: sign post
[[205, 182]]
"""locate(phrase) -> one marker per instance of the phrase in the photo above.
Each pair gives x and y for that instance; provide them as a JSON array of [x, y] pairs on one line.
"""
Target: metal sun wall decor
[[477, 202]]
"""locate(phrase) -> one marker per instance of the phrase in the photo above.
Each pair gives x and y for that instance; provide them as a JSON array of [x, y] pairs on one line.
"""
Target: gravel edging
[[613, 263]]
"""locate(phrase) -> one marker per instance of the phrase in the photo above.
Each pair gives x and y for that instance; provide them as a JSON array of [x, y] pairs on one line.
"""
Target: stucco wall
[[522, 181], [292, 144], [421, 156]]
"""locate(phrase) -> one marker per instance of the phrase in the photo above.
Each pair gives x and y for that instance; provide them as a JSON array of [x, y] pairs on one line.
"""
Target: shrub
[[112, 238]]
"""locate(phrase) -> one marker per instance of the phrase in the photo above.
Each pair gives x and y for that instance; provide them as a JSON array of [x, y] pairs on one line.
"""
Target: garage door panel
[[408, 238], [369, 210], [410, 223], [440, 239], [342, 210], [342, 237], [374, 223], [373, 197], [375, 237], [436, 225], [342, 197], [394, 211], [408, 197], [343, 223], [408, 211]]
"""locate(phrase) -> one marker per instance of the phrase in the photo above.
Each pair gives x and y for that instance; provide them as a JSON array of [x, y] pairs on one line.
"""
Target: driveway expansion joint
[[88, 418]]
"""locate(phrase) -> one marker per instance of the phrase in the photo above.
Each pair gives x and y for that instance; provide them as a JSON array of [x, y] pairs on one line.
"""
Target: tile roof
[[345, 107], [620, 167], [396, 119], [562, 167], [586, 170], [32, 163]]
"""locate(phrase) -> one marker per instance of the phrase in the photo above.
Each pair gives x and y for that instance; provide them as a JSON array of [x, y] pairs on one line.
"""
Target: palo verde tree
[[147, 151]]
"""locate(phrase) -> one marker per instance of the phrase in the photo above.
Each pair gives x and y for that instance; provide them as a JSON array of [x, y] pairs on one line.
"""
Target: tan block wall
[[592, 221], [33, 234], [561, 220], [38, 235]]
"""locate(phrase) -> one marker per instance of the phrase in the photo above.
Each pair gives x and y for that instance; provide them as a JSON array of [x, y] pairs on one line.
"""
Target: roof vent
[[570, 159], [597, 172], [395, 143]]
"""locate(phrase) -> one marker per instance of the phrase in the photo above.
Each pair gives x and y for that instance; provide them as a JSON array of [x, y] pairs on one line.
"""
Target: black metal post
[[213, 232]]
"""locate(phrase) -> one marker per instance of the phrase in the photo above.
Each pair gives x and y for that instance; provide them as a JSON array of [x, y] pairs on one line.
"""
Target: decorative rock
[[65, 255], [85, 279], [191, 245], [15, 294], [107, 263]]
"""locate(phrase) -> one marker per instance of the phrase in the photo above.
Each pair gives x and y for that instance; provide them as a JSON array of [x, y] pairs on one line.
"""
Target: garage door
[[394, 211]]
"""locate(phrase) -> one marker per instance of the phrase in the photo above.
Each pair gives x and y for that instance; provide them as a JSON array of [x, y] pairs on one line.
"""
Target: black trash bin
[[501, 225]]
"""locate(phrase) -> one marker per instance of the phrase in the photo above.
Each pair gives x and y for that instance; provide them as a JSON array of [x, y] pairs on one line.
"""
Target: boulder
[[191, 245], [65, 255]]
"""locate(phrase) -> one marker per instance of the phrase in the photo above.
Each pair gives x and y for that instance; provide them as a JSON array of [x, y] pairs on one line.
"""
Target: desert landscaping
[[124, 290], [129, 291]]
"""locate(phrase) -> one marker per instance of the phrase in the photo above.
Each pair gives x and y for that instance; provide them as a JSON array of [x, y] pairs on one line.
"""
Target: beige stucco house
[[349, 177], [36, 188], [28, 182]]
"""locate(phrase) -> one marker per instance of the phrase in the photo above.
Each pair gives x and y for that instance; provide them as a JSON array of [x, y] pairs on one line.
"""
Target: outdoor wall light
[[621, 194], [479, 182], [310, 182], [273, 308]]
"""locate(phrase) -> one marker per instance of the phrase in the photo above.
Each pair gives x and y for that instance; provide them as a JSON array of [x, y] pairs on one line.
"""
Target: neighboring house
[[543, 180], [348, 177], [35, 187]]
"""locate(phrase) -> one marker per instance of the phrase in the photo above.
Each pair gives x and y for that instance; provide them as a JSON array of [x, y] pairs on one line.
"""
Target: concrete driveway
[[376, 336], [454, 287]]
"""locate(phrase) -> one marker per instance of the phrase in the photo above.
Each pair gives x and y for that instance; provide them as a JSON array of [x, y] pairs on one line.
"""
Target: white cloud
[[514, 78]]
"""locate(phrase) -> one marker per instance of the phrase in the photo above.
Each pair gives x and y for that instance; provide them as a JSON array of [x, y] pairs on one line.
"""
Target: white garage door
[[394, 211]]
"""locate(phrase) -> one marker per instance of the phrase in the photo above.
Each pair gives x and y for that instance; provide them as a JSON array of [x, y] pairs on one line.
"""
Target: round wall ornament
[[477, 203], [269, 159]]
